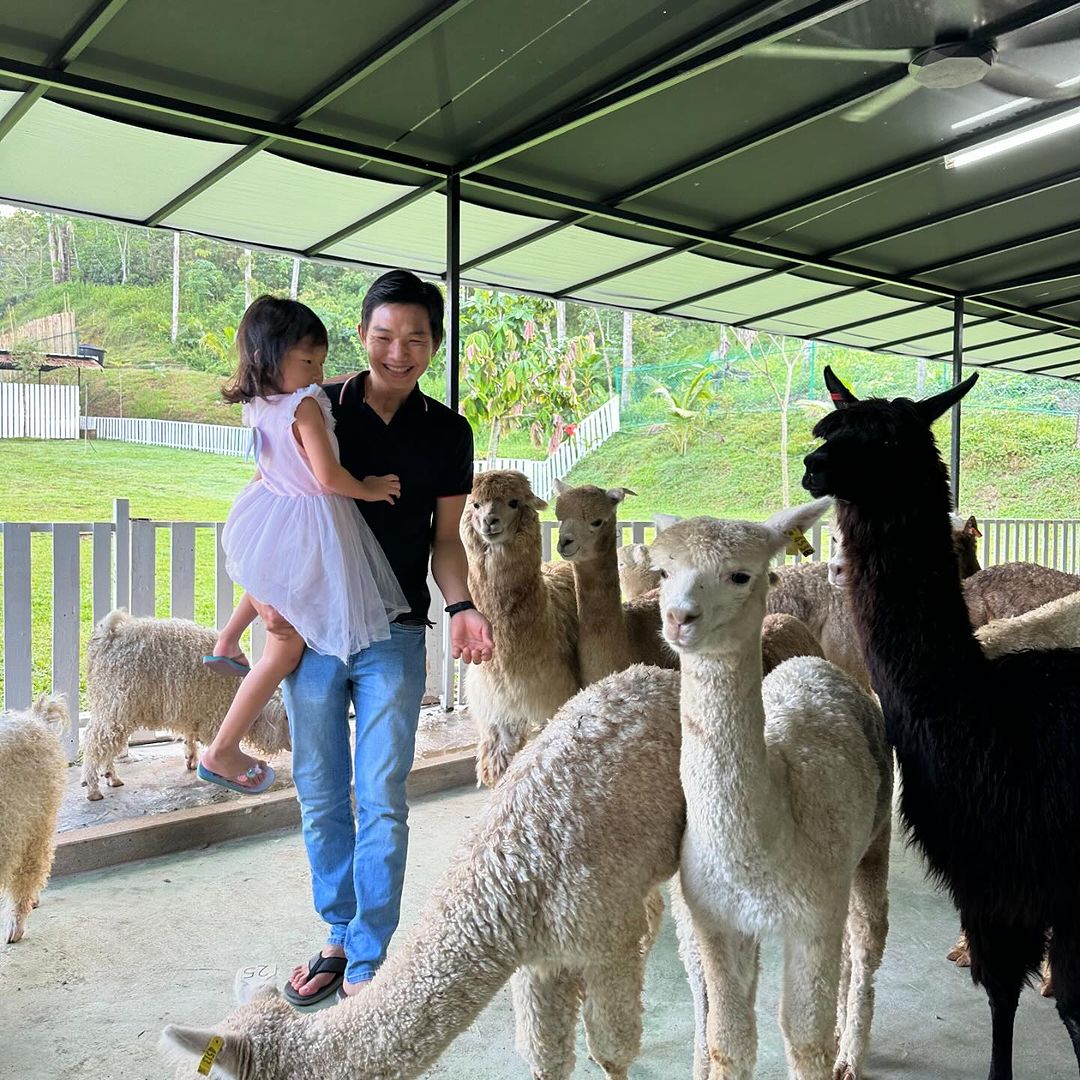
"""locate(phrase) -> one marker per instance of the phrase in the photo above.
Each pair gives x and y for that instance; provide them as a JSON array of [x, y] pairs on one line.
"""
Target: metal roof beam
[[661, 72], [96, 19], [909, 310], [714, 157], [357, 71], [1029, 356], [206, 114], [1053, 367]]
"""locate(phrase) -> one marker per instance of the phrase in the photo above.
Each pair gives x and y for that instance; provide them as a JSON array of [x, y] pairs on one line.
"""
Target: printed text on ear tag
[[213, 1048], [799, 544]]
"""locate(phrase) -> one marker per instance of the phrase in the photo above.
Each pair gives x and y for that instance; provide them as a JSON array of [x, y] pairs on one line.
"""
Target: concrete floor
[[111, 956]]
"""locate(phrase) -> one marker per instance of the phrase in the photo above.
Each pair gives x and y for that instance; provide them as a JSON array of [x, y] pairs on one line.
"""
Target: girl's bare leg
[[228, 641], [282, 653]]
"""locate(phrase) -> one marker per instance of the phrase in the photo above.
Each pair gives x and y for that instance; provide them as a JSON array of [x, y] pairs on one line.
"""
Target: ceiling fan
[[948, 64]]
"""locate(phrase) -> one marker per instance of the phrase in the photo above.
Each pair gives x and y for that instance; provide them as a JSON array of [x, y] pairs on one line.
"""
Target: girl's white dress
[[306, 552]]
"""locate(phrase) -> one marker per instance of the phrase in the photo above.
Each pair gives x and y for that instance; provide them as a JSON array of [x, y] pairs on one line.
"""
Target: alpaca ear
[[774, 578], [665, 521], [841, 396], [537, 503], [616, 495], [971, 527], [560, 486], [210, 1053], [784, 524], [939, 404]]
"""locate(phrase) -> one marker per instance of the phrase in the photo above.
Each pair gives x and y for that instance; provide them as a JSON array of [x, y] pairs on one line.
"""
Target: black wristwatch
[[461, 605]]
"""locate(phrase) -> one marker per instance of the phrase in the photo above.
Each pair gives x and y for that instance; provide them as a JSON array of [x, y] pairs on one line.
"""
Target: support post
[[453, 282], [957, 376]]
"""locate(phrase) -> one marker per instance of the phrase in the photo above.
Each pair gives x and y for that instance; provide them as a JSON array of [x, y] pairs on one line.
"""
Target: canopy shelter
[[790, 166]]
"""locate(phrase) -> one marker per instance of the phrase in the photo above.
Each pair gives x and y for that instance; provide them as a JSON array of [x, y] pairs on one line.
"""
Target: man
[[385, 425]]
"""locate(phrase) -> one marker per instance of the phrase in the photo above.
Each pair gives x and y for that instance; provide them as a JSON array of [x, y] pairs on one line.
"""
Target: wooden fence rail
[[122, 558]]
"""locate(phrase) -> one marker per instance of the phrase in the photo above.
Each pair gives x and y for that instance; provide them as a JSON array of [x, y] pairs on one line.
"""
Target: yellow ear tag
[[799, 544], [213, 1048]]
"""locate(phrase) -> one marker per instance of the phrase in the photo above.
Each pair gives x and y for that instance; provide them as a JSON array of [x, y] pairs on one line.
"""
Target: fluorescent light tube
[[1018, 138]]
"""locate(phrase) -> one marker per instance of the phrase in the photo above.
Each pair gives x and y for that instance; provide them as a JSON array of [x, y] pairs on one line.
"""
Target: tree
[[761, 349], [61, 242], [175, 288], [688, 406], [627, 354]]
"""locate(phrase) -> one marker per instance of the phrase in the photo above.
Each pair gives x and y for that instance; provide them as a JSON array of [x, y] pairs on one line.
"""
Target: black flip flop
[[318, 965]]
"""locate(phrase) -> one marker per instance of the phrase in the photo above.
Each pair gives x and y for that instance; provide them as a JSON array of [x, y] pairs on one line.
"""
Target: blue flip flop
[[249, 789], [226, 665]]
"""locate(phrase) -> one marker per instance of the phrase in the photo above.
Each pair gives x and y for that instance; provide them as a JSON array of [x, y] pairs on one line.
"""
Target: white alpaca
[[533, 613], [559, 875], [148, 673], [636, 574], [32, 771], [788, 785]]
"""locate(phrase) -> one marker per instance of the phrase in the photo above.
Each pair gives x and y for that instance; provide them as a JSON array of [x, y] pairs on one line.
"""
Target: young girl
[[294, 538]]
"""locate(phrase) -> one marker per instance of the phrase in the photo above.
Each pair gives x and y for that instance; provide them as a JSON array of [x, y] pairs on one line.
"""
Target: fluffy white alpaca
[[533, 613], [559, 875], [143, 672], [788, 785], [32, 771]]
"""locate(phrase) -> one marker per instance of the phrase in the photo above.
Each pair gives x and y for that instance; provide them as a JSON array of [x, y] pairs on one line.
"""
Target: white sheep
[[559, 876], [533, 614], [32, 771], [143, 672], [788, 786]]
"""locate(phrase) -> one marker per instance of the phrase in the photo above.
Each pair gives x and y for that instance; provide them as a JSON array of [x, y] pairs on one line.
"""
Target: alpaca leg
[[31, 874], [191, 754], [500, 739], [613, 1009], [690, 954], [845, 985], [1002, 959], [546, 1005], [867, 928], [1065, 962], [730, 962], [103, 743], [808, 1000]]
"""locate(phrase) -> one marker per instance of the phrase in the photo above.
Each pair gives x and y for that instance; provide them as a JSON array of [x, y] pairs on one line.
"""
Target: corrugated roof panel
[[414, 236], [284, 203]]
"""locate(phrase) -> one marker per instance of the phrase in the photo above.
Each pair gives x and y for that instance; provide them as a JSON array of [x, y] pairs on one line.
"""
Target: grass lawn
[[69, 481]]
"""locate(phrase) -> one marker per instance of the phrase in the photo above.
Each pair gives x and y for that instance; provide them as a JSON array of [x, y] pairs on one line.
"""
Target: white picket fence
[[177, 434], [592, 432], [122, 572], [38, 411]]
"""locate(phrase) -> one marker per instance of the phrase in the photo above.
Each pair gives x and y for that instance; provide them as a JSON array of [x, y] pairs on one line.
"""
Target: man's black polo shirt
[[430, 449]]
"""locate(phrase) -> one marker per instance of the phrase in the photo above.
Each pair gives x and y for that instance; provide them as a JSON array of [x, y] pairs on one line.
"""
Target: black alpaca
[[989, 749]]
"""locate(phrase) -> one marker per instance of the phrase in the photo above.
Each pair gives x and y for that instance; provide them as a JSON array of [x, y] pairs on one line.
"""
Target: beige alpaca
[[559, 875], [636, 574], [788, 785], [148, 673], [1010, 589], [533, 616], [611, 635], [32, 771]]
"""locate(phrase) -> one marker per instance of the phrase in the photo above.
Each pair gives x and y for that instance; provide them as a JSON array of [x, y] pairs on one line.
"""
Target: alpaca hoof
[[192, 763], [843, 1071], [959, 954], [94, 796], [13, 931], [113, 781], [490, 765]]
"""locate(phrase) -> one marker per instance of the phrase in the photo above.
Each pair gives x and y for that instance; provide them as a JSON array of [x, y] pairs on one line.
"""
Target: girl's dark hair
[[402, 287], [269, 328]]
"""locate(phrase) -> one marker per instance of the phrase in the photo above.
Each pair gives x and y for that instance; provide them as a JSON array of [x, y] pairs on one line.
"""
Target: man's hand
[[470, 637]]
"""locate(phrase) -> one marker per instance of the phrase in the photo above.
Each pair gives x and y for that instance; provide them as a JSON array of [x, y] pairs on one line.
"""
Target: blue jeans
[[357, 865]]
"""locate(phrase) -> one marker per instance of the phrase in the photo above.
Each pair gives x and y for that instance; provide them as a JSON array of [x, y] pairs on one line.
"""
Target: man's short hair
[[403, 287]]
